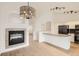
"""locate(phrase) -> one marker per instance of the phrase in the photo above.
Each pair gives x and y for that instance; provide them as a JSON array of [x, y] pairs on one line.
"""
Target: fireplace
[[15, 37]]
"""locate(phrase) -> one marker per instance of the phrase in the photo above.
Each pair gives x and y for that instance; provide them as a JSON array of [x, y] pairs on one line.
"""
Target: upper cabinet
[[63, 29]]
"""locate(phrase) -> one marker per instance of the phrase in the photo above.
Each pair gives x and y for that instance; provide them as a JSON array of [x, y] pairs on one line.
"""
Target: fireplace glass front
[[15, 37]]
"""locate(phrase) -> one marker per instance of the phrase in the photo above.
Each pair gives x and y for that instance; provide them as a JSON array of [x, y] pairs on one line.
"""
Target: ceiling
[[45, 6]]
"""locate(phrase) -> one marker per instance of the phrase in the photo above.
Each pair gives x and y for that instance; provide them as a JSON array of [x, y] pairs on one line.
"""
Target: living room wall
[[9, 18]]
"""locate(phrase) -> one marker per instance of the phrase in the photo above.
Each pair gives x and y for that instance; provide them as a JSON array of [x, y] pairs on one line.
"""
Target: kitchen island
[[59, 40]]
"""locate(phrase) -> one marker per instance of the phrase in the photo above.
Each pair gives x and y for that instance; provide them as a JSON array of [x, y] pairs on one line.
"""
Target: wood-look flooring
[[43, 49]]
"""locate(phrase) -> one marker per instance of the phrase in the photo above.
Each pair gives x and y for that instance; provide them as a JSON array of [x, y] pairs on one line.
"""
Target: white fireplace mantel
[[13, 27]]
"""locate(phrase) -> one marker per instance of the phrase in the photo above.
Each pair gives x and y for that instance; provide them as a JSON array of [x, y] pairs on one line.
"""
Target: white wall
[[9, 18], [43, 15]]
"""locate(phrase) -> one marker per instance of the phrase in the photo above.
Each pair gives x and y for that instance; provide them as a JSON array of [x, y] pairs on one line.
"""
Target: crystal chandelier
[[27, 12]]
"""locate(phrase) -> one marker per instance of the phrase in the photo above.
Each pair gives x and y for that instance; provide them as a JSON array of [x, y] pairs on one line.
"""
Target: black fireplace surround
[[16, 37]]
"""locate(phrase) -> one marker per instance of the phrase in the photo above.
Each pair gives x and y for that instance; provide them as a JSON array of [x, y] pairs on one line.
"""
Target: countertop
[[61, 35]]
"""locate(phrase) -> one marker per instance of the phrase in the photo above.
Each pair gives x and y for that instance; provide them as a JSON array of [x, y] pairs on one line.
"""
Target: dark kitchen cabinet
[[63, 29], [77, 33]]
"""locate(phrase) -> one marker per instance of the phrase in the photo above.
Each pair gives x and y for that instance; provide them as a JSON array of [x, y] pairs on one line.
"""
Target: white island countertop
[[61, 35], [59, 40]]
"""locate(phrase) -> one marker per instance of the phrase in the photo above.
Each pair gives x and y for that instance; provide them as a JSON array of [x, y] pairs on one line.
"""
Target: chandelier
[[64, 11], [27, 12]]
